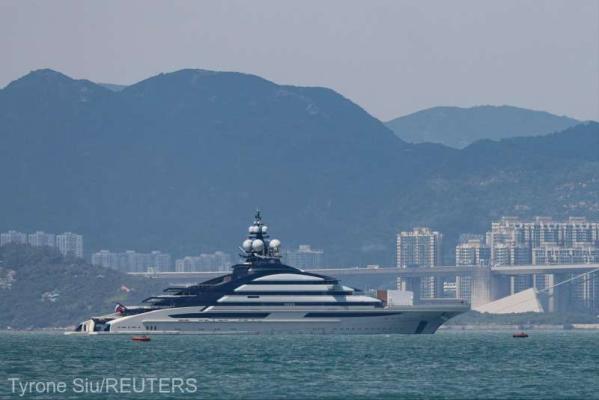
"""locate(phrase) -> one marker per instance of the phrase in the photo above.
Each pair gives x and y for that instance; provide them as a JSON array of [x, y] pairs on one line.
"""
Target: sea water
[[447, 365]]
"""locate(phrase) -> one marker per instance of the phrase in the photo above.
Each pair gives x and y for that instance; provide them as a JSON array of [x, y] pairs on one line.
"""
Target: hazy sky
[[391, 57]]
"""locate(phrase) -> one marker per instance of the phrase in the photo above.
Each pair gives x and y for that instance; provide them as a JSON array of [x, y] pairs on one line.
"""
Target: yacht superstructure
[[264, 296]]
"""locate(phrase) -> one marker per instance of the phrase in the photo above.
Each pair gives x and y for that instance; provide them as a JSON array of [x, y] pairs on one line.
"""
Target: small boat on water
[[520, 335], [141, 338]]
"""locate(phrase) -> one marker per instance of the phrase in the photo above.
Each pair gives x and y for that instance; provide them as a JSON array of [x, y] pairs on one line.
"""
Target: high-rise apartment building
[[217, 261], [304, 257], [69, 243], [106, 259], [567, 255], [161, 261], [472, 252], [544, 241], [39, 239], [13, 237], [420, 247], [132, 261]]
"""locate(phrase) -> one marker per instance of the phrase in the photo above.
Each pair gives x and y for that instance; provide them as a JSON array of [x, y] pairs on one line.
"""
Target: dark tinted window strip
[[221, 315], [292, 293], [292, 282], [297, 303], [347, 314]]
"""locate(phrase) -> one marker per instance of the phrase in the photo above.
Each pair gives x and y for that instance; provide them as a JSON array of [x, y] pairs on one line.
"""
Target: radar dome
[[254, 229], [264, 229], [258, 245], [274, 244], [247, 245]]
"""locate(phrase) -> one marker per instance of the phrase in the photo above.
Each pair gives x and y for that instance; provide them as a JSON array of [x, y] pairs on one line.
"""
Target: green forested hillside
[[40, 288]]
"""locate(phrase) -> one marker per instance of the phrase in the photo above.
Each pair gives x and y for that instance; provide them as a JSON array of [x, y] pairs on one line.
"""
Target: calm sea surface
[[452, 365]]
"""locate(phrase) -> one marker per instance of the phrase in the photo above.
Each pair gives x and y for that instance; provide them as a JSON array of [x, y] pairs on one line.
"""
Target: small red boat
[[141, 338], [520, 335]]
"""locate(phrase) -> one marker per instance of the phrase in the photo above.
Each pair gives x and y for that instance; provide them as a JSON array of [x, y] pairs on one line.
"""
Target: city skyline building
[[518, 242], [105, 258], [69, 243], [40, 238], [217, 261], [132, 261], [543, 241], [304, 257], [13, 237], [470, 251], [421, 247]]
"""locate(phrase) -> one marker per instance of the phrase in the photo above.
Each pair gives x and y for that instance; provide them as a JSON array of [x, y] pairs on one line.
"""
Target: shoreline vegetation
[[41, 289]]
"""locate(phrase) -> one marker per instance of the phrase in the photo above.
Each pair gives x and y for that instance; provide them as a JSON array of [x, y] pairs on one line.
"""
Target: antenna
[[257, 245]]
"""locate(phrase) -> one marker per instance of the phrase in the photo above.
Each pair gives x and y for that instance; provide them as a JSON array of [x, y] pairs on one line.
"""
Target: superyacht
[[262, 295]]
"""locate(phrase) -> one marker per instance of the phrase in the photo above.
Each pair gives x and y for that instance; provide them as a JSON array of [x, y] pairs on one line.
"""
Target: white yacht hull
[[401, 320]]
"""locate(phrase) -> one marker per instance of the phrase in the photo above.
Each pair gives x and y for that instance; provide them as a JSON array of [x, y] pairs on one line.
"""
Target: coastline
[[514, 327], [450, 328]]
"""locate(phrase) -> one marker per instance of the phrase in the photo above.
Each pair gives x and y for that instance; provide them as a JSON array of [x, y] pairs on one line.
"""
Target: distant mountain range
[[458, 127], [180, 161]]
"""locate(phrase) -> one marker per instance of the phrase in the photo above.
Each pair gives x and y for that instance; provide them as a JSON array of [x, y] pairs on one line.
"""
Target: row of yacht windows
[[255, 282], [313, 330], [297, 293], [300, 303]]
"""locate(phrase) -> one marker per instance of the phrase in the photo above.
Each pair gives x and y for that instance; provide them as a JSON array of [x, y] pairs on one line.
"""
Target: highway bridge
[[487, 283], [355, 274], [392, 272]]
